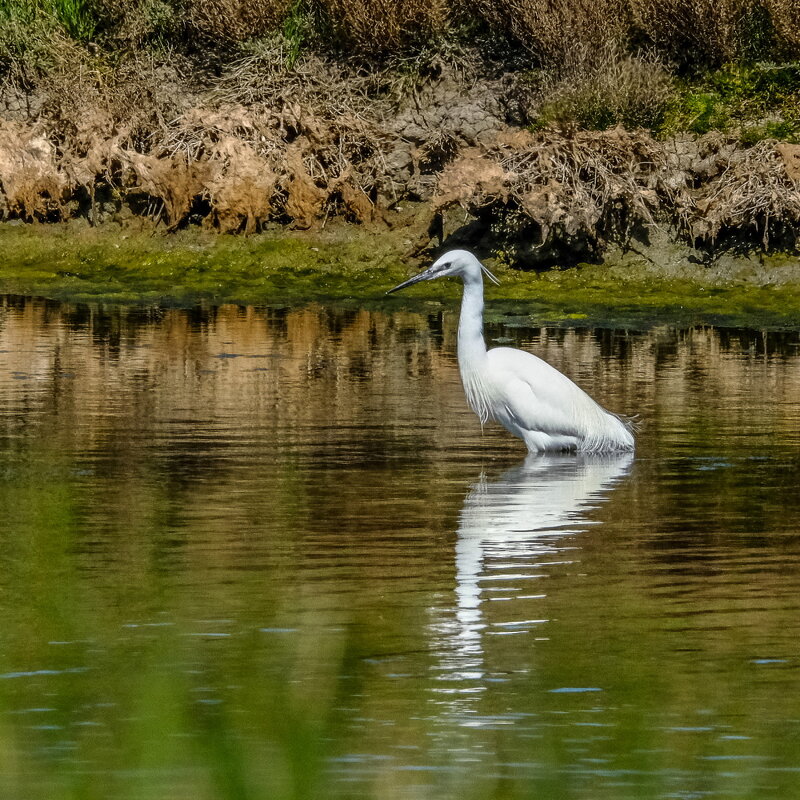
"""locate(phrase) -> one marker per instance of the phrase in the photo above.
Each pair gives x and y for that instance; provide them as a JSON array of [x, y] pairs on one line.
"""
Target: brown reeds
[[235, 20], [238, 166], [562, 35], [378, 27], [784, 16], [695, 32], [615, 89]]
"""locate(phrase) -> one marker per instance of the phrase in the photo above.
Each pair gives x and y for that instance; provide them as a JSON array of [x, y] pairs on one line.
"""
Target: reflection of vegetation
[[227, 563], [108, 685]]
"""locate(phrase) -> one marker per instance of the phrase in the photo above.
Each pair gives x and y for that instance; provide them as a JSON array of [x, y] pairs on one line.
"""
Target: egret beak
[[423, 276], [433, 272]]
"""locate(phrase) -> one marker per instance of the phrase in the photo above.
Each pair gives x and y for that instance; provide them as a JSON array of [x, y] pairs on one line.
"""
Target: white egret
[[527, 396]]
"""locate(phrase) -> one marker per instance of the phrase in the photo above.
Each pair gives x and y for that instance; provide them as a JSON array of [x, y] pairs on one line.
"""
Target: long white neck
[[471, 346]]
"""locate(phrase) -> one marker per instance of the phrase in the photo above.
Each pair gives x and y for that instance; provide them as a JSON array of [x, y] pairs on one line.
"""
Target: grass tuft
[[755, 102]]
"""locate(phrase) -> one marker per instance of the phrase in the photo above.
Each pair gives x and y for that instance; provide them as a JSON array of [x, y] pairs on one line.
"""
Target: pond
[[269, 552]]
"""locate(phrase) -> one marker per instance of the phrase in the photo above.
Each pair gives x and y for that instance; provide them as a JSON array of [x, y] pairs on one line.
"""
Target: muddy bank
[[351, 266], [447, 155]]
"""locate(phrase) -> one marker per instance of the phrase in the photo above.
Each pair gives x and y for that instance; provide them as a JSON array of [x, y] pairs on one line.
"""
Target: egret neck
[[472, 361]]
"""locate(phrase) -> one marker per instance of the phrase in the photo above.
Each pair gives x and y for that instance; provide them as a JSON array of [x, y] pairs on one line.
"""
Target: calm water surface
[[270, 553]]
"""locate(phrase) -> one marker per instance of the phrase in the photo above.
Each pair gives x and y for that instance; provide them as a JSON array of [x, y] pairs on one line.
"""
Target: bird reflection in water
[[509, 529]]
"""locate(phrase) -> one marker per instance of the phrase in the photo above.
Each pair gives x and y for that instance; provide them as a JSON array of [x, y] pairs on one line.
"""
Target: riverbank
[[546, 144], [542, 198], [354, 267]]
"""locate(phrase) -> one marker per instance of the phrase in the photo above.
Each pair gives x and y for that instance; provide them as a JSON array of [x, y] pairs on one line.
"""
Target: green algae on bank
[[80, 264], [355, 267]]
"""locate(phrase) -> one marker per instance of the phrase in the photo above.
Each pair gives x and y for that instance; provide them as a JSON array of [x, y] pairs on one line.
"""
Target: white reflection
[[511, 532]]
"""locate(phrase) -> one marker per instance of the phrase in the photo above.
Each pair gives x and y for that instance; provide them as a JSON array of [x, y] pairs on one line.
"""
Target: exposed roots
[[597, 187], [297, 142]]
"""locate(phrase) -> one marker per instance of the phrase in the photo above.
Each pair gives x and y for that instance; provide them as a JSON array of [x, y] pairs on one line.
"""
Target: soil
[[441, 160]]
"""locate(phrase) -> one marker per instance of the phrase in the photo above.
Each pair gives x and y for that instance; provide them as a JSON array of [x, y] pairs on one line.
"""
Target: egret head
[[455, 262]]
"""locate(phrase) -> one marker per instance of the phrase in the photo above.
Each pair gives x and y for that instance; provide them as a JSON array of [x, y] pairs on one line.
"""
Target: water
[[270, 553]]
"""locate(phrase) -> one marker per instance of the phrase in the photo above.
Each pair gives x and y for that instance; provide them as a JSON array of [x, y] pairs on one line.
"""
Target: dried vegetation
[[236, 21], [578, 192], [264, 143], [235, 115]]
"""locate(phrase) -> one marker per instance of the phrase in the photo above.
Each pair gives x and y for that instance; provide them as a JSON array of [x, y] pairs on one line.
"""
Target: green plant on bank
[[297, 29], [39, 36], [78, 18], [751, 101], [756, 101]]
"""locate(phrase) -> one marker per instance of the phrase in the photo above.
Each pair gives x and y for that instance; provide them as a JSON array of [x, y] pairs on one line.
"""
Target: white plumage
[[526, 395]]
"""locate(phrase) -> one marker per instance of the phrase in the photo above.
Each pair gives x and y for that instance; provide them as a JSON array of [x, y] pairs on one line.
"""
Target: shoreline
[[540, 199], [353, 267], [463, 145]]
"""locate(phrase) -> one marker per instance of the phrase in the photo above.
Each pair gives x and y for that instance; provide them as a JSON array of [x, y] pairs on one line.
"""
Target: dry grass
[[287, 133], [299, 144], [785, 17], [697, 29], [380, 27], [587, 186], [300, 147], [32, 183], [598, 186], [562, 35], [703, 33], [237, 20], [573, 36], [757, 191], [633, 91], [265, 73]]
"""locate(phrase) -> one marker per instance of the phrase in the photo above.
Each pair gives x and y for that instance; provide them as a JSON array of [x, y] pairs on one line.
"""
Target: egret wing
[[536, 395]]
